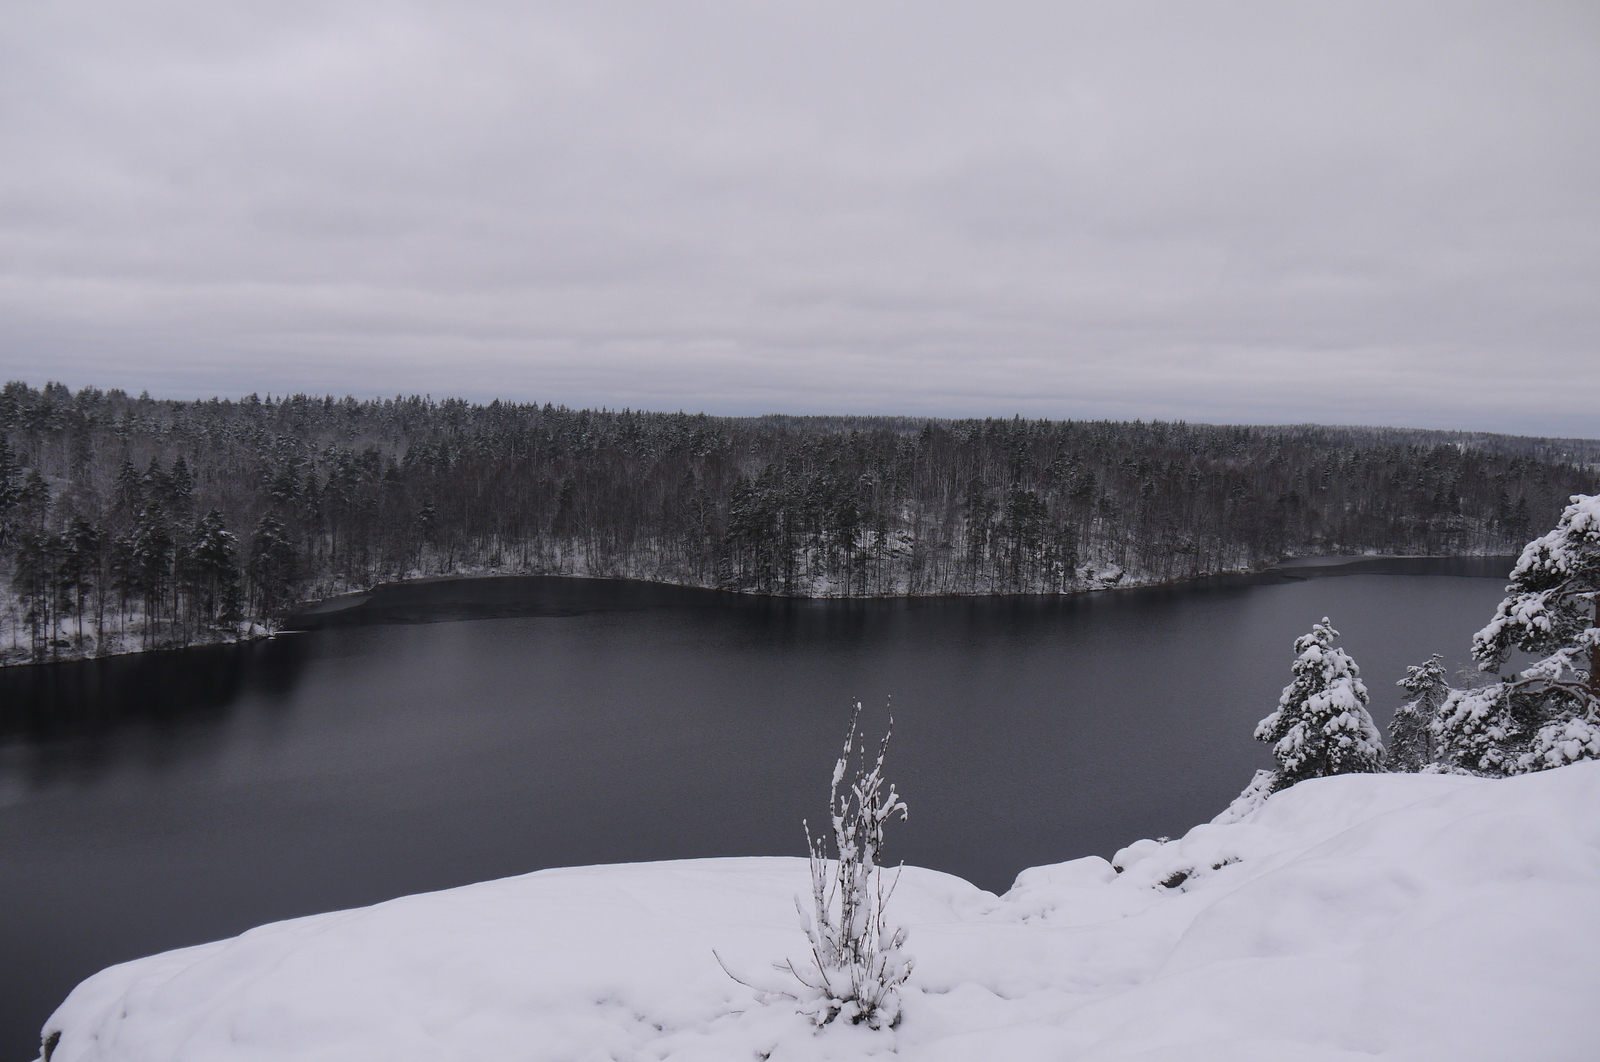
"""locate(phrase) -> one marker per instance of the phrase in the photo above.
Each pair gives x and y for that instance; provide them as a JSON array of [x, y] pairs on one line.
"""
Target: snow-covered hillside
[[1361, 916]]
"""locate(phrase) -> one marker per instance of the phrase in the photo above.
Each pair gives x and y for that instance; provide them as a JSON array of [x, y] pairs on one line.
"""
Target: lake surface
[[436, 734]]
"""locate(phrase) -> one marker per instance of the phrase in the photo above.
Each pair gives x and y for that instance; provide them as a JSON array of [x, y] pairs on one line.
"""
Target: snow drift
[[1359, 916]]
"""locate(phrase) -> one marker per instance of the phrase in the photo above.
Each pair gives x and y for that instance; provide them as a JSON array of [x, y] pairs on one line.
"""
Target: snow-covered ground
[[114, 634], [1357, 917]]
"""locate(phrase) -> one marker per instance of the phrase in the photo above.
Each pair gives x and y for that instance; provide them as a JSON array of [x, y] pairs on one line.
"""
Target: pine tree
[[80, 567], [1321, 726], [1548, 714], [124, 572], [1410, 736], [34, 577]]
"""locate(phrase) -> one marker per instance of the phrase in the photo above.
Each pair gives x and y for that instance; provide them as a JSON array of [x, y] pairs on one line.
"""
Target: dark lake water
[[156, 801]]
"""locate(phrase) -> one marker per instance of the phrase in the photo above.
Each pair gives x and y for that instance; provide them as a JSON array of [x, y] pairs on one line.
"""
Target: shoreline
[[347, 608], [1286, 570], [76, 655]]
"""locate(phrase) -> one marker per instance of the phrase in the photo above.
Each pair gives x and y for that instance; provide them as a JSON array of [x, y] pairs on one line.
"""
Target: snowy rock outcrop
[[1353, 917]]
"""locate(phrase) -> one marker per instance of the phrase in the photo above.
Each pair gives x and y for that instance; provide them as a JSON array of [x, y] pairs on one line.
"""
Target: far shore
[[349, 606]]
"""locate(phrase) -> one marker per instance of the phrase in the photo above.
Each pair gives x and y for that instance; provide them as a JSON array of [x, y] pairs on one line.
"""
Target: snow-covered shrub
[[1548, 714], [1321, 725], [1410, 734], [857, 965]]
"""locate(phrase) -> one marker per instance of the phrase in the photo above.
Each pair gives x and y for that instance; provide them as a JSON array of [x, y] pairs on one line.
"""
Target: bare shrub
[[857, 965]]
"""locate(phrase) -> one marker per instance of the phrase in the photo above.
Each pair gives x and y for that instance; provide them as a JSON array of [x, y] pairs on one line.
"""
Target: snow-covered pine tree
[[1321, 726], [1548, 714], [1410, 736]]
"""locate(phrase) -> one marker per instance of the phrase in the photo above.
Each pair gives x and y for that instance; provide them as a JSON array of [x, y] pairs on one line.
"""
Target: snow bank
[[1363, 916]]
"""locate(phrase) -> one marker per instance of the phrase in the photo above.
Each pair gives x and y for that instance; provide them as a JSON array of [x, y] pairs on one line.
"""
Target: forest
[[135, 522]]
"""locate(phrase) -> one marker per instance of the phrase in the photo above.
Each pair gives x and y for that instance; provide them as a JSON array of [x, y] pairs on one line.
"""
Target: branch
[[733, 975]]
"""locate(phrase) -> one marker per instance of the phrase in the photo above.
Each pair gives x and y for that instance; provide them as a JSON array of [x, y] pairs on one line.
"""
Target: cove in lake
[[441, 733]]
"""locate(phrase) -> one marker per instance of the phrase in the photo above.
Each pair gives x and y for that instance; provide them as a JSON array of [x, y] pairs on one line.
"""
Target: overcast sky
[[1377, 213]]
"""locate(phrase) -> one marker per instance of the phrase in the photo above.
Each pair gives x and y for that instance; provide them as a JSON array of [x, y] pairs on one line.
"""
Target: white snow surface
[[1354, 917]]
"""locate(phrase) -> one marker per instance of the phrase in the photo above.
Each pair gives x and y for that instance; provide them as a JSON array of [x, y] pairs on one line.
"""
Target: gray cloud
[[1354, 212]]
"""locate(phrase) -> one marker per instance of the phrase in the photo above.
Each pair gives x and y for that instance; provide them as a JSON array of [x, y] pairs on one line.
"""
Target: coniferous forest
[[131, 523]]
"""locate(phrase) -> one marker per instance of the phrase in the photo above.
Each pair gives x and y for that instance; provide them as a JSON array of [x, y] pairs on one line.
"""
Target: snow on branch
[[856, 965], [1548, 714]]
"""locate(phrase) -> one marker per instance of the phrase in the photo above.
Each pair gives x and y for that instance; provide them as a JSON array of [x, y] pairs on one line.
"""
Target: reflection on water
[[74, 722], [85, 698], [161, 800]]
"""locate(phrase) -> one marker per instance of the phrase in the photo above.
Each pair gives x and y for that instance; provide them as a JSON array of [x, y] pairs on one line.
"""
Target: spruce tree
[[213, 569], [156, 484], [32, 501], [128, 492], [1410, 736], [274, 566], [1548, 714], [10, 487], [181, 488], [154, 552], [1321, 725]]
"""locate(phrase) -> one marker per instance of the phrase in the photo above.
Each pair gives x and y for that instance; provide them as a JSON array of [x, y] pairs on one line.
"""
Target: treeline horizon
[[178, 520]]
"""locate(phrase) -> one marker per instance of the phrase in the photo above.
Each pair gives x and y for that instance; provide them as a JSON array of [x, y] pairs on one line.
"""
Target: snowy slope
[[1363, 916]]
